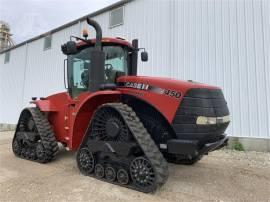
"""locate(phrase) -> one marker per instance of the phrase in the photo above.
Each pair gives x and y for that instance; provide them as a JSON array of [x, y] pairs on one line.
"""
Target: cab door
[[78, 81]]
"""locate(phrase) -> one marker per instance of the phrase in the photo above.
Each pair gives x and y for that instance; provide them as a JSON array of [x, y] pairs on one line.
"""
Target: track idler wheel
[[122, 177], [85, 161], [99, 171], [142, 173]]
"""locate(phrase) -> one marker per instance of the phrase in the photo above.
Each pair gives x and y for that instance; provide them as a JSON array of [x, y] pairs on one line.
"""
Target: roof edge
[[98, 12]]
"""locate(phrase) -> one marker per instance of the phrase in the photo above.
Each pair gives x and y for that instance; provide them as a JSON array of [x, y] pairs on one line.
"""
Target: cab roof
[[116, 41]]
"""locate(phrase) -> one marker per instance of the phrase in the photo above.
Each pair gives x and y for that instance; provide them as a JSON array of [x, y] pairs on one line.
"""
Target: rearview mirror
[[144, 56], [69, 48]]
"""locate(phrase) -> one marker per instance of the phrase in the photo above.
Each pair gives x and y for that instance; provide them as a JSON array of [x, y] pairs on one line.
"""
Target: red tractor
[[124, 127]]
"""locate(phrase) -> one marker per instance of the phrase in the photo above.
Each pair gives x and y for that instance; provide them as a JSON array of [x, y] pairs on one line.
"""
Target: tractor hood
[[163, 83]]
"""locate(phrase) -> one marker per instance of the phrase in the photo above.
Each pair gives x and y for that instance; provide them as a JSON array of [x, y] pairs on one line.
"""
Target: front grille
[[200, 102]]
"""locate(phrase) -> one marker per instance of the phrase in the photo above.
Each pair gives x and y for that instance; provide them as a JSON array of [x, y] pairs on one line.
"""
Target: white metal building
[[220, 42]]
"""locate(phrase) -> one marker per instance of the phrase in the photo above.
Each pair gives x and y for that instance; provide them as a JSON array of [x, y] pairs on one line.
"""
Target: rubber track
[[46, 134], [145, 141]]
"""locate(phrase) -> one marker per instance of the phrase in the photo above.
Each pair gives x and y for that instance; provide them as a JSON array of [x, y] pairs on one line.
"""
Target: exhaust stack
[[98, 29], [97, 58]]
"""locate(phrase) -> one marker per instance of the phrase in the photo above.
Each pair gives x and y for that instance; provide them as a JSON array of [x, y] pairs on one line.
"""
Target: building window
[[7, 57], [47, 42], [117, 17]]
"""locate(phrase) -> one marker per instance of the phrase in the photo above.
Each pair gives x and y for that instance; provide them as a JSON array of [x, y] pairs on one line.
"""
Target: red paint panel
[[165, 104], [56, 105], [70, 117]]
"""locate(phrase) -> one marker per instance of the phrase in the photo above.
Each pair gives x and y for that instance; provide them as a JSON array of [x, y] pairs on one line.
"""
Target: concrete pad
[[251, 144]]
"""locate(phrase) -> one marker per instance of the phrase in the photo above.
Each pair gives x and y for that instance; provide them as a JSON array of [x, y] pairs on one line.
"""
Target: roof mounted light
[[85, 33]]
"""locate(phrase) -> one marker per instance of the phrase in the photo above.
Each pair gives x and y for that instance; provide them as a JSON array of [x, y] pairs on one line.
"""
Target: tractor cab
[[95, 64], [117, 62]]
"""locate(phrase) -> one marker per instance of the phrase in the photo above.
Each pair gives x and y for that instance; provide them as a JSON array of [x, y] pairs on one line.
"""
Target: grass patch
[[237, 146]]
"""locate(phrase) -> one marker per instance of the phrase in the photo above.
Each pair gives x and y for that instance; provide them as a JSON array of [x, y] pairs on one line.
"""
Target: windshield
[[78, 67]]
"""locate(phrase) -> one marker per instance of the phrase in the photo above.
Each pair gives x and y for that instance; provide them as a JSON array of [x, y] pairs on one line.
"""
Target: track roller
[[110, 174], [99, 171], [122, 177]]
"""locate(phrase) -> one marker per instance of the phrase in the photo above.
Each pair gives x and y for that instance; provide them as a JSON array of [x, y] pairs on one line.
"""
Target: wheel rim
[[110, 174], [86, 161], [40, 151], [122, 176], [142, 172], [99, 171], [108, 125]]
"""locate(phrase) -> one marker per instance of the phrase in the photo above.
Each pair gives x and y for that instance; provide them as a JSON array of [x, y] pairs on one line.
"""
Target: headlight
[[203, 120]]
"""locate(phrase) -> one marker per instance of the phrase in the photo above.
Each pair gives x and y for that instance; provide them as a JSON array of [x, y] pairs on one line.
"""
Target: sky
[[29, 18]]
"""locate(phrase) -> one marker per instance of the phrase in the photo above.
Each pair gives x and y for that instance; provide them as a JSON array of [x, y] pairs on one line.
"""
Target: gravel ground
[[221, 176]]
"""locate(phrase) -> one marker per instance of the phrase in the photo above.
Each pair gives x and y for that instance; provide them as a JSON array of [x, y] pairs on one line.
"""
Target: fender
[[53, 103], [69, 125], [84, 111]]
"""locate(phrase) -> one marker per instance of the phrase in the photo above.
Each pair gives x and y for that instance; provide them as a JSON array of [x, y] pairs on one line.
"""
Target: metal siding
[[44, 72], [11, 85], [220, 42]]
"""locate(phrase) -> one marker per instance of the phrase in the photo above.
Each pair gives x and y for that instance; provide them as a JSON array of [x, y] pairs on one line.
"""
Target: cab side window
[[78, 77]]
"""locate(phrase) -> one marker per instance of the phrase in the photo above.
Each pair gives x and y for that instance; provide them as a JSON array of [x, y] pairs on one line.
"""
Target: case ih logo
[[146, 87], [139, 86]]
